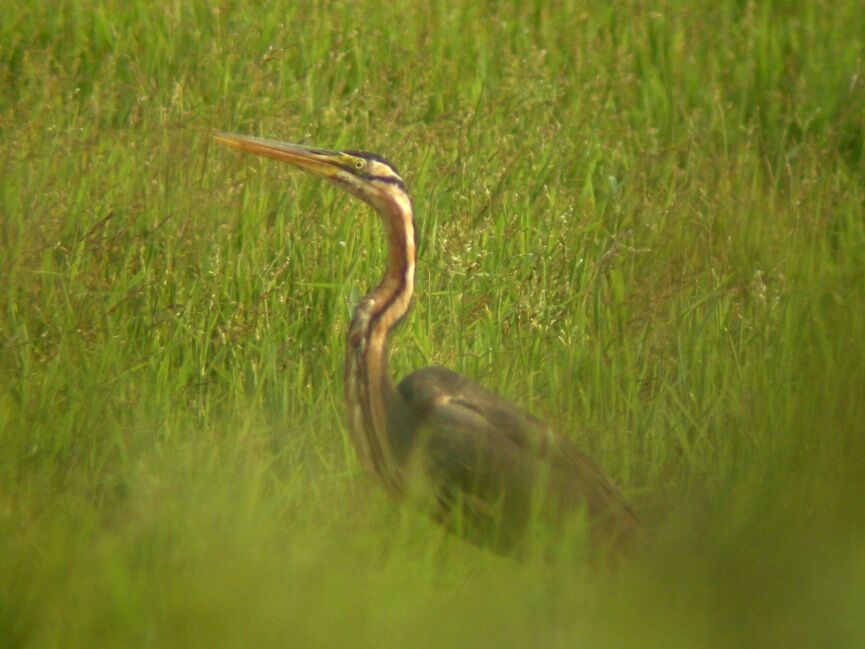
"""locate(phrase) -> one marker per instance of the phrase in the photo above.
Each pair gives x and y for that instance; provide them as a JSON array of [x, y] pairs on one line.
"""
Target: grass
[[645, 224]]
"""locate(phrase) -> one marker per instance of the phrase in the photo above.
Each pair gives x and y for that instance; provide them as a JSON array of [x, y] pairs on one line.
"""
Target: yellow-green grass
[[643, 222]]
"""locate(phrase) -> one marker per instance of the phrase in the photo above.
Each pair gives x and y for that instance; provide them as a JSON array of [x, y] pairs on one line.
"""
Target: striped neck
[[369, 387]]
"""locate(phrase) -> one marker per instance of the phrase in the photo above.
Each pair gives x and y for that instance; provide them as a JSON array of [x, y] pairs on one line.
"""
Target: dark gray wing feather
[[501, 465]]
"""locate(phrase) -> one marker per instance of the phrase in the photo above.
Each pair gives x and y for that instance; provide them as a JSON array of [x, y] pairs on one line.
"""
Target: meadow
[[643, 222]]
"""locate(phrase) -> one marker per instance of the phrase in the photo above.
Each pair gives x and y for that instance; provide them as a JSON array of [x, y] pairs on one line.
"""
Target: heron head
[[365, 175]]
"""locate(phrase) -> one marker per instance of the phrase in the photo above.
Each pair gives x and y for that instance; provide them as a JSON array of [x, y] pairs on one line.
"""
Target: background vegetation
[[641, 221]]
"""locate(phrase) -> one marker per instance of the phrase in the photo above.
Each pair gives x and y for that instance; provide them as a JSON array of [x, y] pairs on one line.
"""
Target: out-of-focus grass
[[644, 224]]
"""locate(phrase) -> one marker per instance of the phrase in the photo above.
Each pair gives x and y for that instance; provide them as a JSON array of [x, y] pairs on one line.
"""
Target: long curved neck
[[369, 388]]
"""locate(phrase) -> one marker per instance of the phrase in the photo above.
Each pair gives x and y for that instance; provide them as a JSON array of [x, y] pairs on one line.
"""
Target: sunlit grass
[[645, 225]]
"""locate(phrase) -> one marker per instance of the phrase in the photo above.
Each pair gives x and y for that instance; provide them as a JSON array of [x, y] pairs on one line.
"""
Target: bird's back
[[497, 468]]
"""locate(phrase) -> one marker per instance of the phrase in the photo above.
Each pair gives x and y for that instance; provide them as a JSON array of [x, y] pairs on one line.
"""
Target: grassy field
[[646, 224]]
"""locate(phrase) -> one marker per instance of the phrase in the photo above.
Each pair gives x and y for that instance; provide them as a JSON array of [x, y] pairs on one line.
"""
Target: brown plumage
[[485, 468]]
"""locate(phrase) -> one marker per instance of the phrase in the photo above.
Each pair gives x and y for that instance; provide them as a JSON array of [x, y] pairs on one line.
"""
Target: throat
[[370, 394]]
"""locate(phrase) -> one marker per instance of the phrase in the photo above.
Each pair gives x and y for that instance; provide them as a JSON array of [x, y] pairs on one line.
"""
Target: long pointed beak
[[319, 162]]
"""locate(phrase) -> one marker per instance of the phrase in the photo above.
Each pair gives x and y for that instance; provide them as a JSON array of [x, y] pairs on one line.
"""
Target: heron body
[[486, 469]]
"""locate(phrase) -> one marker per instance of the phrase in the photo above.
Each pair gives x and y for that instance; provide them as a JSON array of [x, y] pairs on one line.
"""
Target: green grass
[[646, 225]]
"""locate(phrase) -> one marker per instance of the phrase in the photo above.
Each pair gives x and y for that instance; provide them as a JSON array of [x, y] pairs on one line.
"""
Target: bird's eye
[[359, 164]]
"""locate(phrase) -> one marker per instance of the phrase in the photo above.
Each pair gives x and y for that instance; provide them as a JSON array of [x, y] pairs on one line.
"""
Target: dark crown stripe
[[372, 156]]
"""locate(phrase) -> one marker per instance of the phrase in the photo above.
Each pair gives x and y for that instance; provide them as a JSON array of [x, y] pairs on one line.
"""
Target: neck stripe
[[371, 387]]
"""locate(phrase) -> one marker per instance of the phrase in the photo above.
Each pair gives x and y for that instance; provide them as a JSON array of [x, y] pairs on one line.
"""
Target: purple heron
[[489, 469]]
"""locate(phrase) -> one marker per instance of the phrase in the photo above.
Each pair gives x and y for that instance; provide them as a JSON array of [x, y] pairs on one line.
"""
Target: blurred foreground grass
[[646, 224]]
